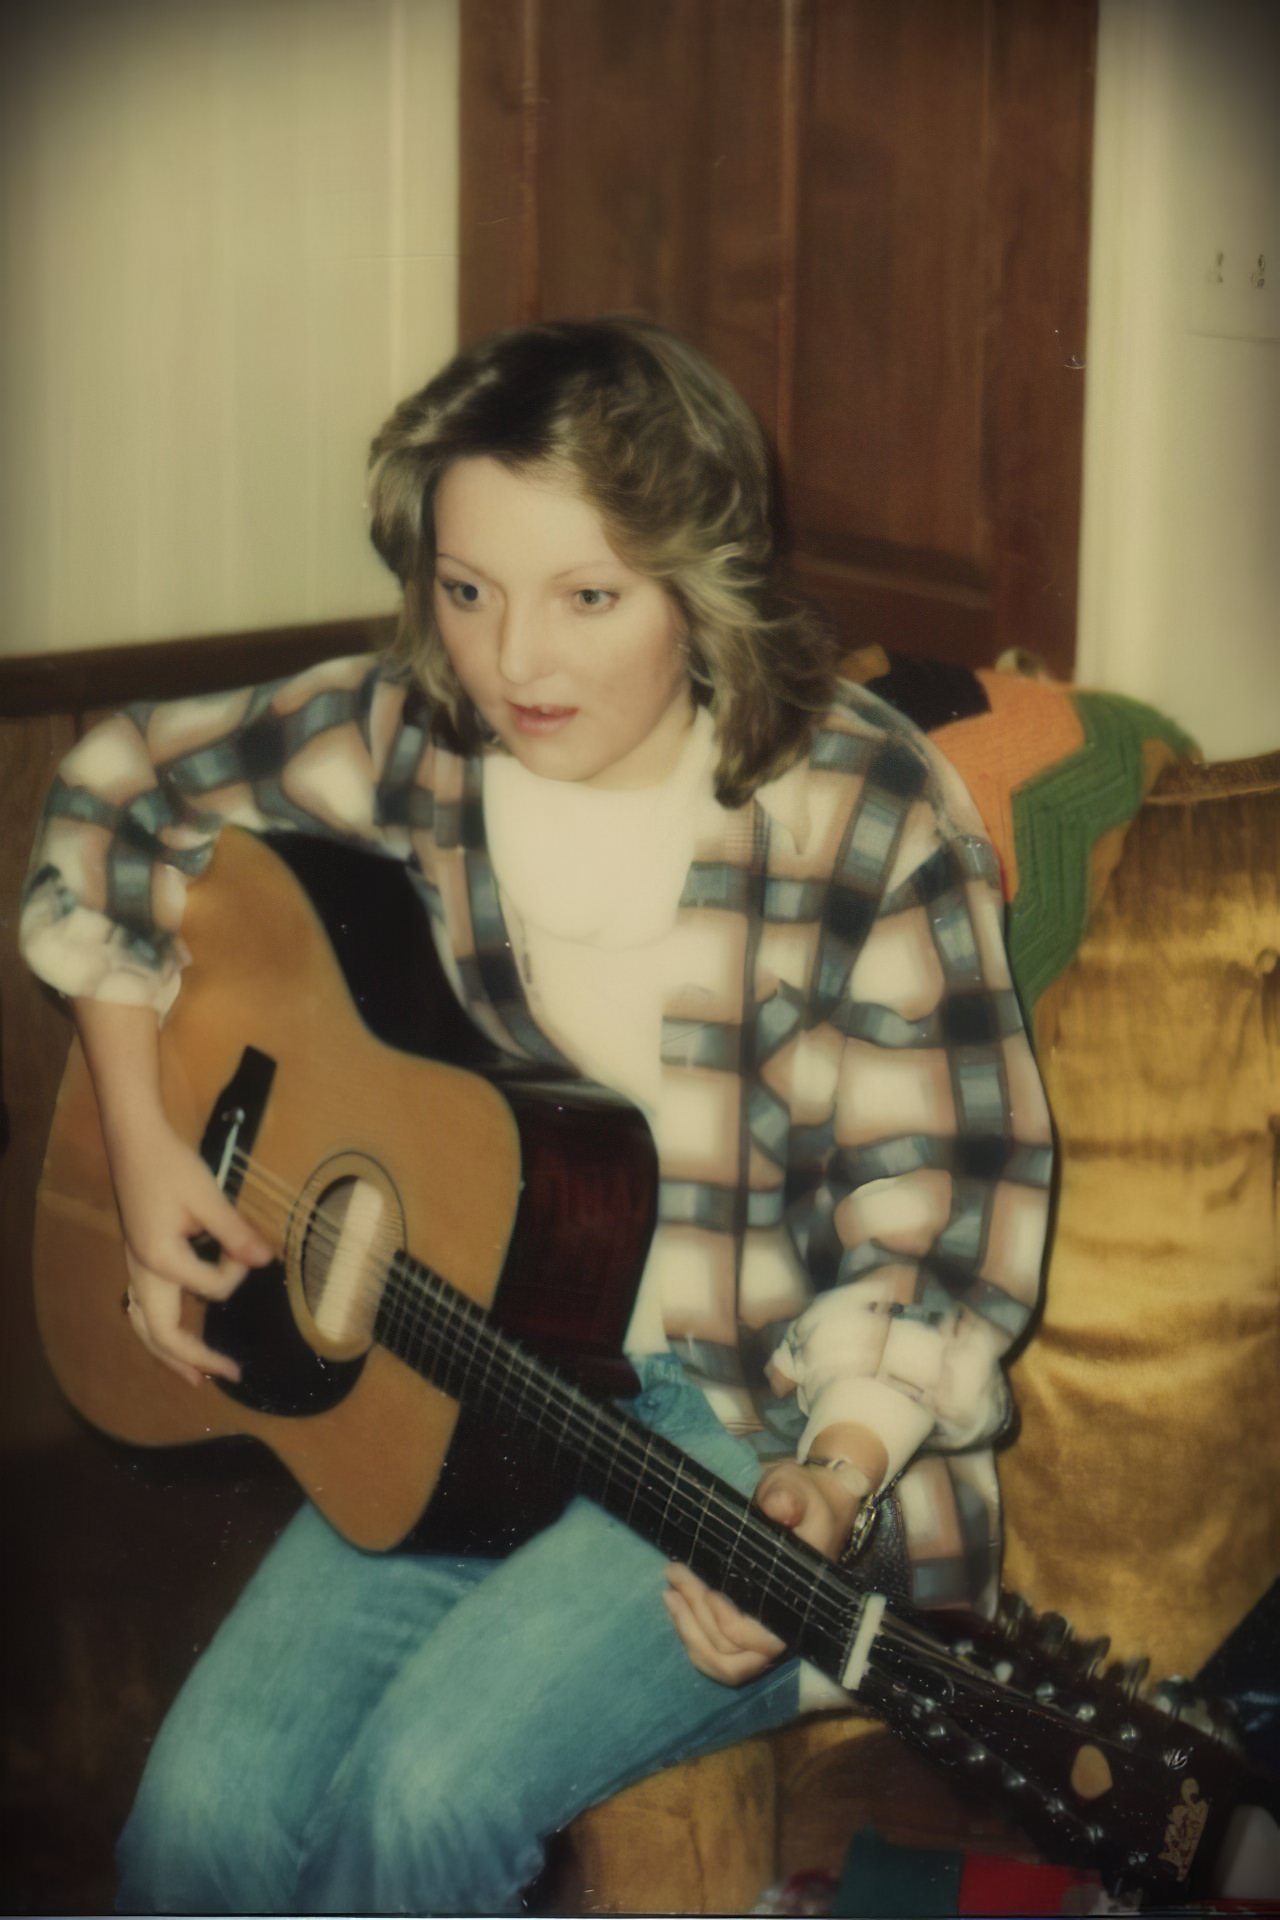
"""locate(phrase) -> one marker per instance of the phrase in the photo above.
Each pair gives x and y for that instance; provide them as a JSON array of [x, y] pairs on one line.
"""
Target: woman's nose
[[523, 651]]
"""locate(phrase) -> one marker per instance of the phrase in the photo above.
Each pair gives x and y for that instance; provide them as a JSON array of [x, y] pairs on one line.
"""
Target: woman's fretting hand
[[722, 1641]]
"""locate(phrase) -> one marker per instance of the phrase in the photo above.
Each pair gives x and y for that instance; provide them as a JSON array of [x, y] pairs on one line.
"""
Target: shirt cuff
[[901, 1423], [83, 955]]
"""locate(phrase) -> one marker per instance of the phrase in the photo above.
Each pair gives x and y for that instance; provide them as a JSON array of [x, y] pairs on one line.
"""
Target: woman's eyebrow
[[467, 566], [598, 563]]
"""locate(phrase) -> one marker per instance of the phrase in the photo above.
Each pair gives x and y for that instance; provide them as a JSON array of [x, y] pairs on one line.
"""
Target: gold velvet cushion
[[1143, 1495]]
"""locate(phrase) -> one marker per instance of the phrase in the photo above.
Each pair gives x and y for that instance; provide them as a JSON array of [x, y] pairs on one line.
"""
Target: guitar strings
[[829, 1596], [826, 1599], [822, 1594], [581, 1418], [719, 1515], [825, 1595], [718, 1519]]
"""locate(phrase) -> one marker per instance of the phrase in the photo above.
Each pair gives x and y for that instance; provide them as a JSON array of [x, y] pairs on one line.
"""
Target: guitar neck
[[630, 1471], [1095, 1774]]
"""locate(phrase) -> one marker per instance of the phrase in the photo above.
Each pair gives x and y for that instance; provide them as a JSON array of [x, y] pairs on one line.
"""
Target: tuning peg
[[1052, 1632], [1088, 1655], [1012, 1615], [1183, 1700], [1176, 1696], [1127, 1676]]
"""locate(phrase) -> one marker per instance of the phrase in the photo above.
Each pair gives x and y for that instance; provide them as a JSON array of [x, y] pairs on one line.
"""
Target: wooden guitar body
[[545, 1188]]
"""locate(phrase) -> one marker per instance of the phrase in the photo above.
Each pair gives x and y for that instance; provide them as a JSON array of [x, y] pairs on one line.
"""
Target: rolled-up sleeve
[[938, 1178], [137, 805]]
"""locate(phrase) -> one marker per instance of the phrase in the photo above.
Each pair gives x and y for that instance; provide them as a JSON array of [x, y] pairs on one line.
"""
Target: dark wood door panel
[[626, 159], [874, 217], [892, 293], [1042, 82], [623, 190]]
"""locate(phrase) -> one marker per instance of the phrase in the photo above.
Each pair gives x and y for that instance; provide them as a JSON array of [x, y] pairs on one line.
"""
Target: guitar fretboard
[[630, 1471], [958, 1711]]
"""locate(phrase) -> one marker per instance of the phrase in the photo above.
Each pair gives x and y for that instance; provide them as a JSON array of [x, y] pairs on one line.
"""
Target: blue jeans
[[400, 1734]]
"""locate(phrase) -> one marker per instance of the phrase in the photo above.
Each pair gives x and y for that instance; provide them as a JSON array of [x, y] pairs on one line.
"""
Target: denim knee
[[193, 1844], [411, 1831]]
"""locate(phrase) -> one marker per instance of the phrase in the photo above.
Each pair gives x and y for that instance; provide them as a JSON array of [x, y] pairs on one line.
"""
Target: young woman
[[660, 841]]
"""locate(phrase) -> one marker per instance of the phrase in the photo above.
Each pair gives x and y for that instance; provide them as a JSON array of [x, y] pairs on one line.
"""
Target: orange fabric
[[1032, 725]]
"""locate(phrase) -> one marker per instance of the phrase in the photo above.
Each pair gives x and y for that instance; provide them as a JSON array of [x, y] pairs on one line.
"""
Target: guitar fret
[[631, 1506], [695, 1544], [734, 1546], [671, 1491]]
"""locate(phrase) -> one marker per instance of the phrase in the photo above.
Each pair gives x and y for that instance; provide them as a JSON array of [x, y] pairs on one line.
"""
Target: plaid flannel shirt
[[854, 1150]]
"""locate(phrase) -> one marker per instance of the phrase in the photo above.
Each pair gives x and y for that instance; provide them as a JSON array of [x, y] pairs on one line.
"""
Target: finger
[[175, 1262], [189, 1355], [156, 1316], [711, 1633], [813, 1505], [741, 1630], [177, 1265], [239, 1239], [730, 1669], [724, 1625], [137, 1321], [183, 1352], [784, 1501]]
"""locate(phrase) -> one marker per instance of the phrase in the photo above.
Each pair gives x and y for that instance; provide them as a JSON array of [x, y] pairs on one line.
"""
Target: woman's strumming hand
[[164, 1192], [722, 1641]]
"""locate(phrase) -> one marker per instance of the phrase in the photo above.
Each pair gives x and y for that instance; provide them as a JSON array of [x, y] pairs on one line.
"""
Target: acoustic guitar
[[433, 1352]]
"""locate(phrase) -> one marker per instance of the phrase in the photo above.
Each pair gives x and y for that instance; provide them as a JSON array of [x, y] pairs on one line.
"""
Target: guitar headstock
[[1046, 1644], [1096, 1768]]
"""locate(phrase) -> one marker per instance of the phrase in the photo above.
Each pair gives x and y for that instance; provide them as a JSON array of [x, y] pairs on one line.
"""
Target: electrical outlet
[[1235, 293]]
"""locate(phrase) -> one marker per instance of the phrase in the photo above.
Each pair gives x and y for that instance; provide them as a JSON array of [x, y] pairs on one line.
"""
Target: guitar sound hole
[[351, 1231]]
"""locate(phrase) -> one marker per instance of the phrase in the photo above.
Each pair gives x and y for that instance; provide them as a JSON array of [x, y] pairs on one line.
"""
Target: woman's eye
[[461, 593], [593, 599]]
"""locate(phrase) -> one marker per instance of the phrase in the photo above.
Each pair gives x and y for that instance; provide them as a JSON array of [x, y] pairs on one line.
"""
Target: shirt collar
[[786, 801]]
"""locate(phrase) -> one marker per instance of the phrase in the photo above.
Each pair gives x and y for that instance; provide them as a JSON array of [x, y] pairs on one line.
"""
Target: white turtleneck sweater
[[591, 880]]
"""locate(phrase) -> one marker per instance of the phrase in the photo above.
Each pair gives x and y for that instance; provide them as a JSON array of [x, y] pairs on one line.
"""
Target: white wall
[[1180, 559], [229, 245]]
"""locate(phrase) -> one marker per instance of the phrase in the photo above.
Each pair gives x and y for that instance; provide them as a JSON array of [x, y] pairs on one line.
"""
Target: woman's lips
[[541, 719]]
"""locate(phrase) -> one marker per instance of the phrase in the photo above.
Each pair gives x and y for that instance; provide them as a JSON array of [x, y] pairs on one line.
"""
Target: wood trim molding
[[44, 683]]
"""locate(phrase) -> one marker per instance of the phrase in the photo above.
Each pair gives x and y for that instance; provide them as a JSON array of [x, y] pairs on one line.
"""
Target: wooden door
[[874, 216]]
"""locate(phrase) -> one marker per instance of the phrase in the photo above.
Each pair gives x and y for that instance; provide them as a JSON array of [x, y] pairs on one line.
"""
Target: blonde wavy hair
[[676, 465]]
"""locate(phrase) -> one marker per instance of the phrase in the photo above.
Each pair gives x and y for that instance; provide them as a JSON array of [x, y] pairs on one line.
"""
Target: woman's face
[[574, 660]]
